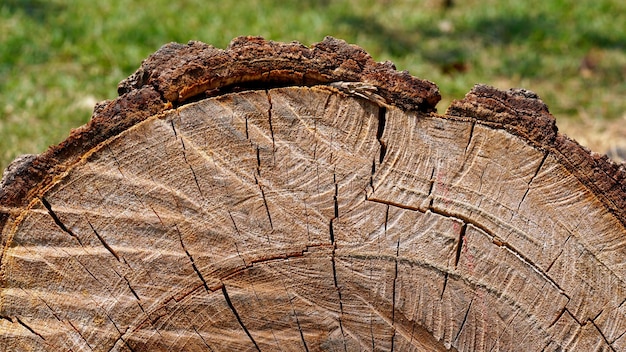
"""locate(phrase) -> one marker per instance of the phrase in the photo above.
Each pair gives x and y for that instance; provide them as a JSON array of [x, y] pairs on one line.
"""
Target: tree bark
[[252, 199]]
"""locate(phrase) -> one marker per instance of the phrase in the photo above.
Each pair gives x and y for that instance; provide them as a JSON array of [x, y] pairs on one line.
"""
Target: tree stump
[[274, 196]]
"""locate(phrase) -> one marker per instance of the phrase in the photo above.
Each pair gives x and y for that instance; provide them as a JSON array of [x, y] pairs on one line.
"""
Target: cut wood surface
[[252, 199]]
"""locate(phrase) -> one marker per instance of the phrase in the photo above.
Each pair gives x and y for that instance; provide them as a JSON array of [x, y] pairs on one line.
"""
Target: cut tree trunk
[[278, 197]]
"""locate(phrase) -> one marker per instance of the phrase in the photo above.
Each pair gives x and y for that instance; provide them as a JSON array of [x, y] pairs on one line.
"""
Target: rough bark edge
[[524, 114], [197, 70]]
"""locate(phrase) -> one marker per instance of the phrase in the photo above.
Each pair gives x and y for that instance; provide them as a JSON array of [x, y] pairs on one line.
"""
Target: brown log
[[278, 197]]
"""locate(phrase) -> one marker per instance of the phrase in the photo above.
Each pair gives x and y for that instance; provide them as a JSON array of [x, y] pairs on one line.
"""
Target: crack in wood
[[609, 344], [445, 283], [247, 133], [120, 338], [573, 316], [335, 201], [79, 334], [543, 160], [494, 238], [338, 289], [393, 289], [54, 314], [335, 211], [193, 263], [431, 186], [618, 337], [332, 241], [533, 266], [258, 161], [238, 235], [121, 334], [269, 116], [182, 142], [201, 337], [58, 221], [558, 255], [132, 290], [332, 259], [471, 135], [459, 246], [500, 243], [22, 323], [193, 172], [293, 309], [9, 319], [382, 120], [558, 316], [118, 165], [104, 243], [172, 124], [456, 338], [267, 210], [236, 314], [386, 218], [372, 177]]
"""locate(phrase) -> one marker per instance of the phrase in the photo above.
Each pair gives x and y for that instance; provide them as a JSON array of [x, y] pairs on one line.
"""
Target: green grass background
[[58, 58]]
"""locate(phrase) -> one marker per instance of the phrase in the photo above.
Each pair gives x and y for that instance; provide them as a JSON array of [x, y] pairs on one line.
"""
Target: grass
[[58, 58]]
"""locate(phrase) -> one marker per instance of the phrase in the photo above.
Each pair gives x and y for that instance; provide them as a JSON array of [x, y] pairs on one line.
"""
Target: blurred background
[[59, 57]]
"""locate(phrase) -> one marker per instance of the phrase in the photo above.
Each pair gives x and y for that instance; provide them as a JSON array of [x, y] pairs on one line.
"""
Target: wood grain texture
[[195, 213]]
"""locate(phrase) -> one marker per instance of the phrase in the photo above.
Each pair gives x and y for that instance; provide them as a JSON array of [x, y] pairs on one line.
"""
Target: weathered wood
[[236, 200]]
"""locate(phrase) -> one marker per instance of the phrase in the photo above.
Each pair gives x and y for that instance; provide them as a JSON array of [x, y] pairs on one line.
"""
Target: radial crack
[[267, 208], [339, 294], [258, 160], [79, 334], [293, 309], [182, 142], [247, 133], [201, 337], [372, 176], [445, 284], [121, 334], [459, 246], [269, 116], [456, 338], [393, 294], [58, 221], [106, 245], [121, 338], [193, 264], [132, 290], [602, 334], [387, 219], [543, 160], [28, 328], [336, 211], [430, 188], [193, 172], [471, 135], [232, 308], [336, 203], [382, 120]]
